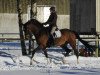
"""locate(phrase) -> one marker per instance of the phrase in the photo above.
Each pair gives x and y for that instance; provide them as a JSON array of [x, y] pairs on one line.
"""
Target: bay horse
[[34, 27]]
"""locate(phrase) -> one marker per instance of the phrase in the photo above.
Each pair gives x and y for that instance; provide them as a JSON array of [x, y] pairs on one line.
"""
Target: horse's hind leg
[[66, 49], [73, 45]]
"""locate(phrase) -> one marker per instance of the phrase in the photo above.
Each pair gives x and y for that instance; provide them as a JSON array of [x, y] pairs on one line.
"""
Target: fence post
[[97, 45]]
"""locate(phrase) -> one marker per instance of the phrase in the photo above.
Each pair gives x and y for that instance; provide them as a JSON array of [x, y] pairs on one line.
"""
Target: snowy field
[[13, 63]]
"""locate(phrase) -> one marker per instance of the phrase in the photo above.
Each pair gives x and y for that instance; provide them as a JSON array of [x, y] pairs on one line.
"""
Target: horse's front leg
[[46, 55], [33, 52]]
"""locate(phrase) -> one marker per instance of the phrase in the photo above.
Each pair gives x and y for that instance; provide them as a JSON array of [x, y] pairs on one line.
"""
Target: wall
[[83, 15], [98, 16], [10, 6], [9, 18], [61, 5], [9, 23], [63, 21]]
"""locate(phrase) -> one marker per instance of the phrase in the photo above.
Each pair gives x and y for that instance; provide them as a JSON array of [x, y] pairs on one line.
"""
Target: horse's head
[[32, 27]]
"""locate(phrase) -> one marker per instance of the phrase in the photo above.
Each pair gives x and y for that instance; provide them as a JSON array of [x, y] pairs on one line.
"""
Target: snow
[[18, 65], [13, 63]]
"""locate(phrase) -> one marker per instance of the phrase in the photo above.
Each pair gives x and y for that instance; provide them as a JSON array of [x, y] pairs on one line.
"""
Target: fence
[[9, 36], [95, 39], [11, 41]]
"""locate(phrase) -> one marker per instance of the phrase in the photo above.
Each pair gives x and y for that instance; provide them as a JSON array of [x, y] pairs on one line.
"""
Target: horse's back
[[68, 31], [68, 34]]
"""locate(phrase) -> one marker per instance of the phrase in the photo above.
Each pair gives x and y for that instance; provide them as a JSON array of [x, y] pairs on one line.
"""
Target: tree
[[21, 29]]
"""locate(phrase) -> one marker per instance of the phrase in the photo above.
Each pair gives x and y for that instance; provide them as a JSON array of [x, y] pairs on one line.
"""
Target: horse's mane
[[43, 30], [35, 22]]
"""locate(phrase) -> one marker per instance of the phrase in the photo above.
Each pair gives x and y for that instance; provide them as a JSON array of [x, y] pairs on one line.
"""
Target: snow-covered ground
[[13, 63]]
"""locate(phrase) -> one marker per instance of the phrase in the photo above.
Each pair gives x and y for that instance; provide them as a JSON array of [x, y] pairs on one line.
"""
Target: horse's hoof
[[31, 62], [65, 54]]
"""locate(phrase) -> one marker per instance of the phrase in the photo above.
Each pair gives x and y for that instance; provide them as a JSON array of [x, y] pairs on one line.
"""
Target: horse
[[41, 33]]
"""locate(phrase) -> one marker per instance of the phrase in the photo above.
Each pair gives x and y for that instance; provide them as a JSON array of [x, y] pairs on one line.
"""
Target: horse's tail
[[85, 43]]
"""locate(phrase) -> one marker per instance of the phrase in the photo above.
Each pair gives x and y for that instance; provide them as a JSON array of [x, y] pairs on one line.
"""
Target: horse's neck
[[41, 31], [35, 31], [37, 28]]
